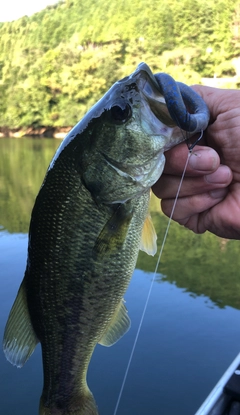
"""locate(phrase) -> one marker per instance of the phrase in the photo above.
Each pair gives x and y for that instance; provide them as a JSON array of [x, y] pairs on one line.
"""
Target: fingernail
[[220, 176], [204, 159], [218, 193]]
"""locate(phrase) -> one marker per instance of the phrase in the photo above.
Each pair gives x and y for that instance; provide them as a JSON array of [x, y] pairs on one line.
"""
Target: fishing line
[[152, 282]]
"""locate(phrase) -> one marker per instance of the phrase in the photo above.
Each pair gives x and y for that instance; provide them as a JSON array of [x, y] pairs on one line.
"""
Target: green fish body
[[85, 233]]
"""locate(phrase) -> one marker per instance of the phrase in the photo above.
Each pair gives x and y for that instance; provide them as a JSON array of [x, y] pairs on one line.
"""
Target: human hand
[[210, 195]]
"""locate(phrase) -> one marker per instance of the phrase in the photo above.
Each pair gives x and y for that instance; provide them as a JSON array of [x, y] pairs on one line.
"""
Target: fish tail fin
[[82, 404]]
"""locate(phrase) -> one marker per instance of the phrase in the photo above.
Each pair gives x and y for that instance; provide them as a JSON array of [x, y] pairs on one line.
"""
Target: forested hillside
[[55, 64]]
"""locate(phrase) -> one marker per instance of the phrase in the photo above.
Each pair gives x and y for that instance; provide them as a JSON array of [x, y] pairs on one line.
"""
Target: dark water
[[191, 330]]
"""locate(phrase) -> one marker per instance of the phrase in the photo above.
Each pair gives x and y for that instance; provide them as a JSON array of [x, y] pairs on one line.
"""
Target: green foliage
[[57, 63]]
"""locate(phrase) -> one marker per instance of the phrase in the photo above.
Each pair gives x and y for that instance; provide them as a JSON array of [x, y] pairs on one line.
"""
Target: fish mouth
[[152, 94], [154, 117]]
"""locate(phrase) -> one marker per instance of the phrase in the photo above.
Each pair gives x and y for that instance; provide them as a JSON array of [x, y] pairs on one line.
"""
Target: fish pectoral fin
[[118, 326], [149, 237], [113, 234], [19, 339]]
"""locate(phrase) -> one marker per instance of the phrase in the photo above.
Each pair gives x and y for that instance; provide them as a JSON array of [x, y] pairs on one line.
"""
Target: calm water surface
[[191, 331]]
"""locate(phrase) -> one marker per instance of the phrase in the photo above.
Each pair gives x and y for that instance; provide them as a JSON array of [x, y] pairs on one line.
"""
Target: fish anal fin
[[118, 326], [149, 237], [19, 339]]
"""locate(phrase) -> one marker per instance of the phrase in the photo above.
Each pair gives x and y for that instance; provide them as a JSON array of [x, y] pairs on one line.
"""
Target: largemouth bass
[[88, 223]]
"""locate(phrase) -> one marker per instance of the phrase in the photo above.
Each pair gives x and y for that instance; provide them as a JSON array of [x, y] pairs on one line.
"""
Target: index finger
[[203, 160], [218, 100]]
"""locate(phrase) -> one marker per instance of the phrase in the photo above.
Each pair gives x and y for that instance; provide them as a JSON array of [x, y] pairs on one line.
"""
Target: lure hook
[[191, 146]]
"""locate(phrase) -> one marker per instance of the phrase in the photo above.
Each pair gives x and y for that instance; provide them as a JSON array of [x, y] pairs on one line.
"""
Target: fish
[[90, 218]]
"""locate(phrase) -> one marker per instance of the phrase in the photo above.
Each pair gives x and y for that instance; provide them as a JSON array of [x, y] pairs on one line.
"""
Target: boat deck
[[225, 397]]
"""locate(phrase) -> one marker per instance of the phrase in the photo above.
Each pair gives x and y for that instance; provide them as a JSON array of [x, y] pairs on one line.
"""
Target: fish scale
[[72, 309], [88, 223]]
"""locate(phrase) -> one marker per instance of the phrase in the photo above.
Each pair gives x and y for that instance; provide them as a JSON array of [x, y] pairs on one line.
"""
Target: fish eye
[[119, 114]]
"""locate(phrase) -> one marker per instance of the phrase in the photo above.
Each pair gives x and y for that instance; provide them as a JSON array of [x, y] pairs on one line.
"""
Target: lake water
[[191, 330]]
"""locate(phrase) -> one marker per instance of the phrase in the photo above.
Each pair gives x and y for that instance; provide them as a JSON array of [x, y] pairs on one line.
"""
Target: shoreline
[[50, 132]]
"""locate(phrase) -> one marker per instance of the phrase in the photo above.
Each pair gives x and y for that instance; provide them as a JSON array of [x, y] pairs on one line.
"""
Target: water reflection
[[22, 169], [202, 264]]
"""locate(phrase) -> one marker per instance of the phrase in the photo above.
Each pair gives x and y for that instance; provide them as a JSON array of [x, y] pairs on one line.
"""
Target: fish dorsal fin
[[19, 339], [118, 326], [149, 237]]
